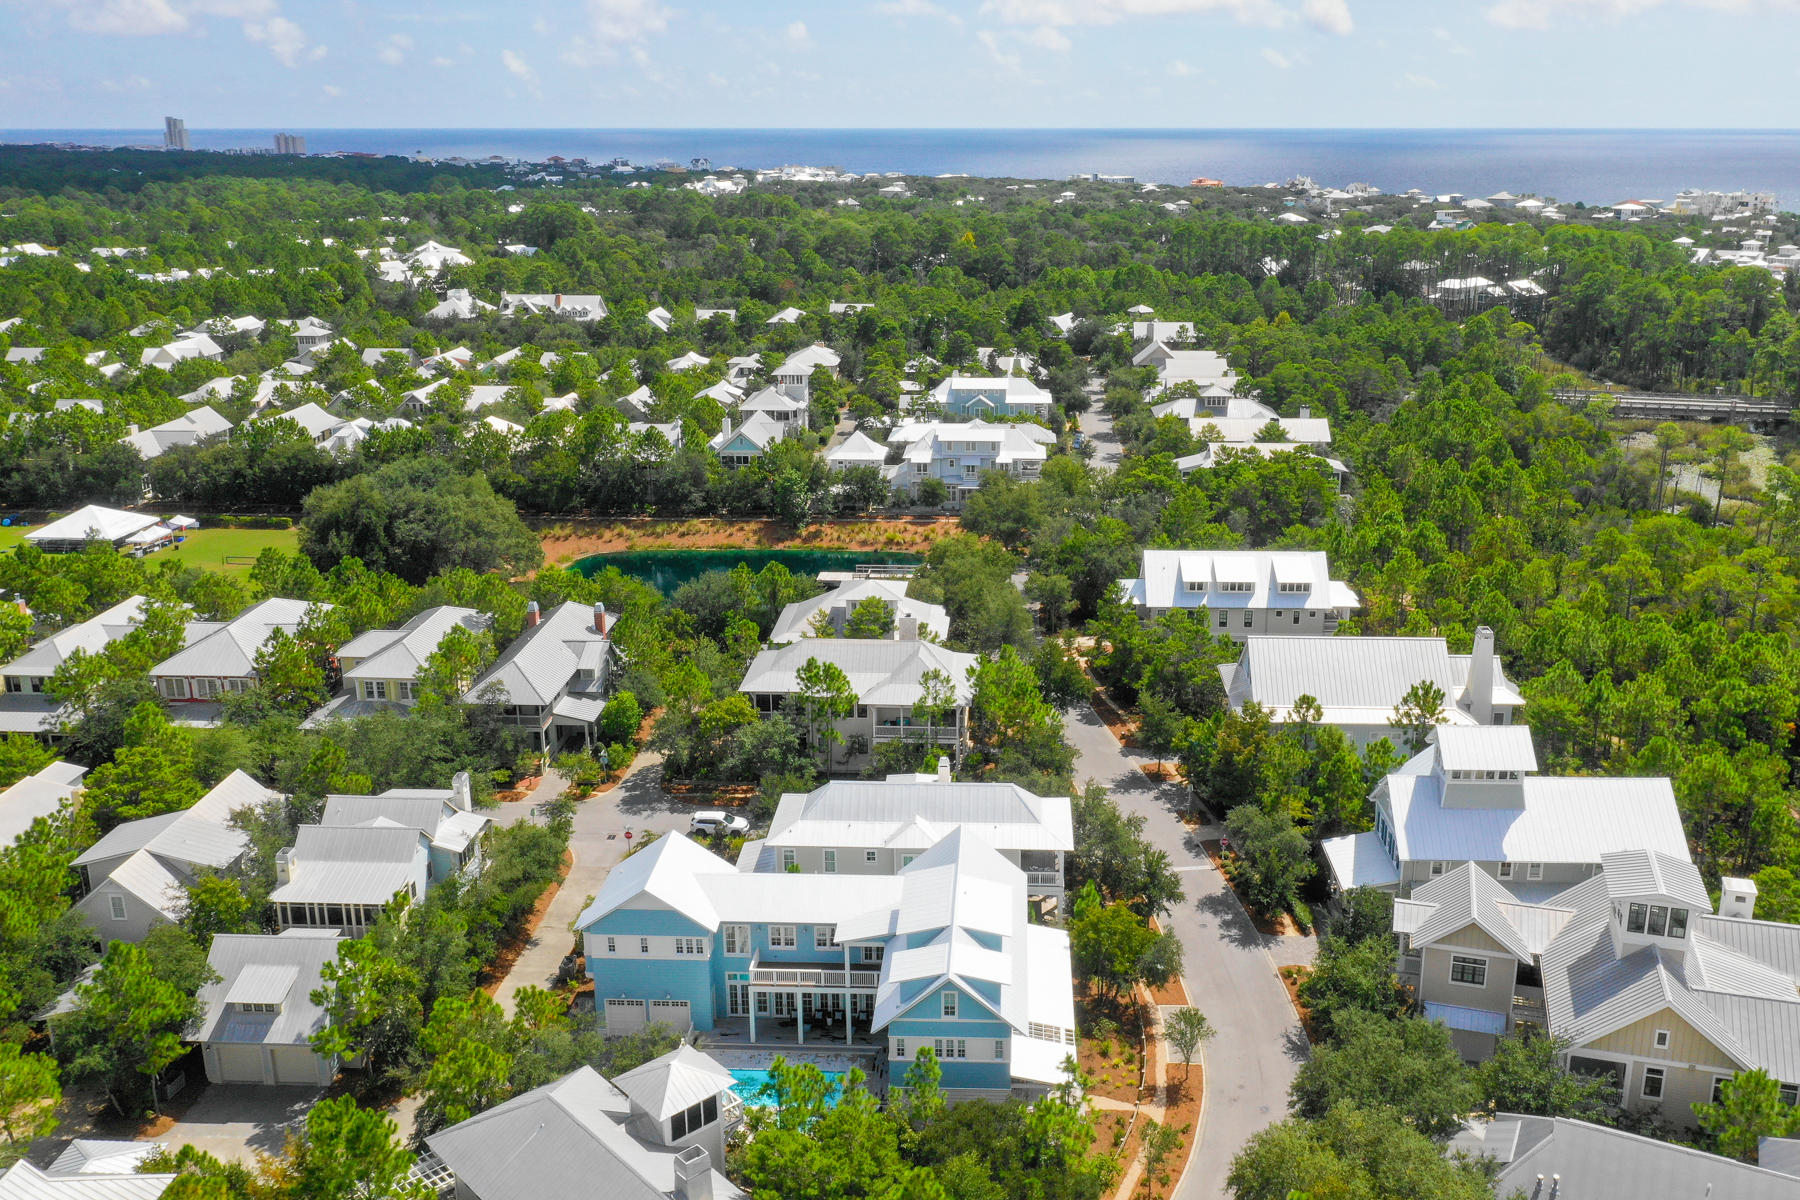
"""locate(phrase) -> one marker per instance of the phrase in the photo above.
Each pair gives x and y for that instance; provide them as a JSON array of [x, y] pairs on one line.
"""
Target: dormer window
[[1635, 916], [1294, 587], [1678, 920], [1196, 585], [1236, 585], [694, 1118]]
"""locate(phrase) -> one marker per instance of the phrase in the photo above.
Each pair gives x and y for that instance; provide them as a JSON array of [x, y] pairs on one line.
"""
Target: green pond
[[667, 570]]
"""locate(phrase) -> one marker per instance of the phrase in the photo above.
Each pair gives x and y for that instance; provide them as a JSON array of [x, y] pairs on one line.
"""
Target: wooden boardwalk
[[1675, 406]]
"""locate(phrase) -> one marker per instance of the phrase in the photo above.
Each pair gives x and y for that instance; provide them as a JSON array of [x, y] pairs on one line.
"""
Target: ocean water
[[1596, 166]]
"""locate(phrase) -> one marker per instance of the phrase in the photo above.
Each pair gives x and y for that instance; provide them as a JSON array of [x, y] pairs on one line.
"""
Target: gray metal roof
[[35, 796], [674, 1081], [542, 661], [568, 1138], [91, 635], [1597, 1162], [299, 952], [867, 813], [229, 652], [1466, 896], [198, 836], [22, 1181], [359, 864], [880, 672], [400, 653], [1639, 872]]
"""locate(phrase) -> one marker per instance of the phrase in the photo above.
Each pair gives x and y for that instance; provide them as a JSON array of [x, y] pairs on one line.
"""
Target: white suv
[[712, 819]]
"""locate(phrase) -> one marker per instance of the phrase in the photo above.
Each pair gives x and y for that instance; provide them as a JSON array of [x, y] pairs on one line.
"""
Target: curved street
[[1229, 968]]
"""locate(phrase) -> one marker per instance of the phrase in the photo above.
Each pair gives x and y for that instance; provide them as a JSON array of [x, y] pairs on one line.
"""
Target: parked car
[[711, 820]]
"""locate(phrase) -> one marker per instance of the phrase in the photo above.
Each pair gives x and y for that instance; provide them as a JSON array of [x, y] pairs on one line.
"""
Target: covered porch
[[827, 1002]]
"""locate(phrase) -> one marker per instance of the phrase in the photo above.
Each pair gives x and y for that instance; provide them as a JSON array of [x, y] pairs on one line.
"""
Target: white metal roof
[[675, 1081], [96, 1156], [35, 796], [869, 813], [542, 661], [1636, 871], [880, 672], [357, 864], [200, 835], [229, 651], [1564, 819], [1485, 747], [232, 954], [795, 621], [22, 1181], [400, 653], [1166, 574]]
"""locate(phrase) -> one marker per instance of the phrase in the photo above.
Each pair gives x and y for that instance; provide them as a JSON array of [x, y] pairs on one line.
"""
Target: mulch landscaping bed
[[1186, 1088], [1283, 924], [495, 973], [1291, 979]]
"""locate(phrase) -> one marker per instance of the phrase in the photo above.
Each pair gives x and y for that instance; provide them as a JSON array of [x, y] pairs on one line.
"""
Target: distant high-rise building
[[289, 143], [175, 135]]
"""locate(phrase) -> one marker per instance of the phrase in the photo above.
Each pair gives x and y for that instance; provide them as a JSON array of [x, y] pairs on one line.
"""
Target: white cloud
[[796, 36], [617, 25], [395, 50], [1424, 83], [1001, 56], [1181, 70], [1538, 14], [1448, 41], [1276, 59], [1044, 37], [1333, 16], [521, 70], [131, 83], [442, 61], [333, 90], [917, 8], [285, 40], [261, 20]]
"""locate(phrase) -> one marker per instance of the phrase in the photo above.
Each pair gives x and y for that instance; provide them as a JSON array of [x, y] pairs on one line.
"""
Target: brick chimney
[[601, 622], [532, 614]]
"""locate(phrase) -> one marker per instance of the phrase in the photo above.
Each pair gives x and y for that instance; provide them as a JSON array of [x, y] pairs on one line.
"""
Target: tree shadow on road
[[1295, 1045], [1224, 909], [641, 794]]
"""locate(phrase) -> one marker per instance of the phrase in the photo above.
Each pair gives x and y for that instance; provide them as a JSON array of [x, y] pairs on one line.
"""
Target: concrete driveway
[[1229, 968], [598, 843], [1098, 427], [233, 1121]]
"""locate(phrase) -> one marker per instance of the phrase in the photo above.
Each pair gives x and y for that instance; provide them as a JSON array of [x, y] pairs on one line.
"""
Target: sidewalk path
[[1229, 968], [597, 842]]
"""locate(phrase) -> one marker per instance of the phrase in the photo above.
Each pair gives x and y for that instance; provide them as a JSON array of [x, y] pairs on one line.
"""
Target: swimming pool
[[750, 1083]]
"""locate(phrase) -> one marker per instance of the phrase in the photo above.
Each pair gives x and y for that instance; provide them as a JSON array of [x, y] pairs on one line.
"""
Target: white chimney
[[1737, 898], [284, 865], [1478, 693], [600, 621], [693, 1174], [906, 629], [460, 794], [724, 429], [532, 614], [943, 771], [1305, 412]]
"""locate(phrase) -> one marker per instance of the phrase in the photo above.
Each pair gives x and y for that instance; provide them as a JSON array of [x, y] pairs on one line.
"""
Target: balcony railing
[[1528, 1006], [732, 1111], [816, 977], [1044, 878]]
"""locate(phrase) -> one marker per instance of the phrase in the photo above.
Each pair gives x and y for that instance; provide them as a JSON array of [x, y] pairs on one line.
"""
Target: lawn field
[[208, 548]]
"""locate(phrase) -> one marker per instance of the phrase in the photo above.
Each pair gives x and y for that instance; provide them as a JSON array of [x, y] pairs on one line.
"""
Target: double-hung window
[[951, 1047], [949, 1004], [612, 945], [782, 935], [1467, 969], [830, 857], [737, 939], [824, 937], [870, 856], [643, 945], [1653, 1083]]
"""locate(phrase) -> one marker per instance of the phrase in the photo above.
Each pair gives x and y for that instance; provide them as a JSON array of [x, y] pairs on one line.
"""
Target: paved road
[[1099, 430], [1228, 967], [598, 843]]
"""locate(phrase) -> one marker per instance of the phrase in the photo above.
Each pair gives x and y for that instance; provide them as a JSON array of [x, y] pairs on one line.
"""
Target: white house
[[445, 816], [1282, 592], [797, 619], [433, 258], [1359, 681], [195, 345], [886, 677], [556, 304], [339, 877], [959, 452], [260, 1013], [794, 376], [458, 304], [786, 316], [857, 450], [660, 319], [1474, 796], [197, 423]]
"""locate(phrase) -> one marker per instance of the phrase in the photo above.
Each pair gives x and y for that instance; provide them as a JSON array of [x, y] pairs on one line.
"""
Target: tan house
[[1650, 985]]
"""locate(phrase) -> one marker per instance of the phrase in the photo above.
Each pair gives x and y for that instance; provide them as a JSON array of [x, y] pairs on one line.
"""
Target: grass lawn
[[208, 548]]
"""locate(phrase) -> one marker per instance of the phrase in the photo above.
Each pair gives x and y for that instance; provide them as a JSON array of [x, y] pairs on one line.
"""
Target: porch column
[[848, 1032], [799, 1019], [751, 992]]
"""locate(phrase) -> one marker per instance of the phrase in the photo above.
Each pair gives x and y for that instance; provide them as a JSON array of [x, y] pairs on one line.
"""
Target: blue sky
[[898, 63]]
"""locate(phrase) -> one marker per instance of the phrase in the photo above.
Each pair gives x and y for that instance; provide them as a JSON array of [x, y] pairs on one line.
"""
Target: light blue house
[[992, 396], [939, 956]]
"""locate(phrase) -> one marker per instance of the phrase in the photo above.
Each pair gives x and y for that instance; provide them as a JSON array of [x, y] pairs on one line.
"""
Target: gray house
[[260, 1013], [656, 1133], [339, 877], [551, 680], [136, 876], [444, 815]]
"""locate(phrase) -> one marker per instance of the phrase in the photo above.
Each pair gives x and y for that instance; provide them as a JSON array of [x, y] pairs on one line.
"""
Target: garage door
[[239, 1063], [674, 1013], [296, 1064]]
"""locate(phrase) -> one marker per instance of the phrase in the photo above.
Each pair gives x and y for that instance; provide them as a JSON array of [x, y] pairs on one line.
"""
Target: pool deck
[[757, 1057]]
